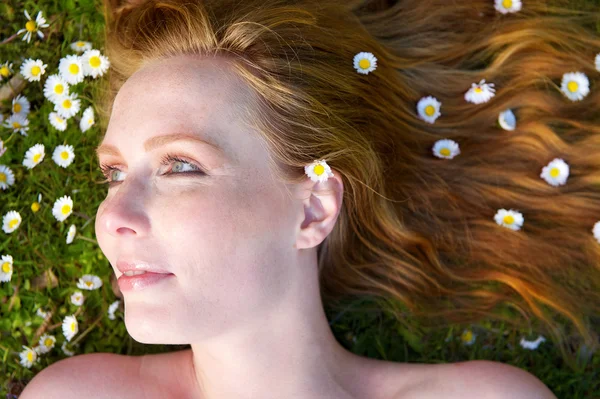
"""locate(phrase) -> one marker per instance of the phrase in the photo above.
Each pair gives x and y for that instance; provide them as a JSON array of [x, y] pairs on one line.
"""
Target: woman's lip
[[141, 281]]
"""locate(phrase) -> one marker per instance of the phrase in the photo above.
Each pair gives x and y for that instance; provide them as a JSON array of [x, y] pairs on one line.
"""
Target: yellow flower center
[[509, 219], [478, 89], [30, 356], [95, 61], [572, 86], [554, 172], [35, 207], [30, 26], [364, 63], [507, 3], [73, 327], [67, 103], [16, 125], [429, 110], [37, 157], [13, 223], [64, 155], [65, 209], [2, 177], [48, 341], [6, 267], [35, 71], [88, 283], [80, 44], [467, 336], [17, 108], [90, 121], [59, 119], [4, 71], [59, 88], [445, 151], [319, 169], [74, 69]]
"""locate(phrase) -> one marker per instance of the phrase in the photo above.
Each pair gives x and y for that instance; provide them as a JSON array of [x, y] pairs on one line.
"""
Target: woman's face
[[224, 234]]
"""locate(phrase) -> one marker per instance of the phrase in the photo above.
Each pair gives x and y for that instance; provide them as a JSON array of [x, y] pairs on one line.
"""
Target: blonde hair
[[415, 229]]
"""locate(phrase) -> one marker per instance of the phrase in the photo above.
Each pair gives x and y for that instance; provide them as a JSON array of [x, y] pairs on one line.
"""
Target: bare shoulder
[[477, 379]]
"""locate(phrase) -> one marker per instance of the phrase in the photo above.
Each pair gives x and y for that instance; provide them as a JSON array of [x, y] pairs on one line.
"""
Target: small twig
[[9, 39], [87, 330]]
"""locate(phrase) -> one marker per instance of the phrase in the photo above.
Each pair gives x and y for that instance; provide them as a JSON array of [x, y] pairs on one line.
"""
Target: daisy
[[5, 70], [63, 155], [87, 119], [70, 68], [63, 207], [7, 177], [18, 123], [80, 46], [77, 298], [55, 88], [71, 233], [6, 268], [70, 327], [65, 350], [556, 172], [2, 148], [94, 64], [429, 109], [507, 120], [596, 231], [506, 6], [28, 356], [68, 105], [468, 337], [510, 219], [446, 148], [480, 92], [318, 171], [33, 70], [33, 26], [34, 156], [46, 343], [112, 308], [532, 344], [89, 282], [20, 105], [597, 61], [42, 314], [11, 221], [57, 121], [575, 85], [365, 62]]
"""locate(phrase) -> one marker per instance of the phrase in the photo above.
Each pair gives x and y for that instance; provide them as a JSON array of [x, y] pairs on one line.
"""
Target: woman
[[266, 157]]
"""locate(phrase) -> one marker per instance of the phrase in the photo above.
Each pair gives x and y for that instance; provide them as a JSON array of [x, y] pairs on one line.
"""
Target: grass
[[39, 245]]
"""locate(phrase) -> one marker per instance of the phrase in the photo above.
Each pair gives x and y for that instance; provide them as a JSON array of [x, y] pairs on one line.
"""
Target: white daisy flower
[[71, 69], [597, 62], [507, 120], [57, 121], [63, 207], [556, 172], [532, 344], [33, 26], [71, 233], [65, 350], [20, 105], [94, 64], [429, 109], [6, 268], [480, 92], [68, 105], [468, 337], [2, 148], [11, 221], [33, 70], [42, 314], [112, 308], [89, 282], [511, 219], [575, 85], [63, 155], [18, 123], [77, 298], [318, 171], [446, 148], [46, 343], [507, 6], [70, 327], [87, 119], [365, 62], [7, 177], [80, 46], [34, 156], [5, 70], [55, 87], [596, 231], [28, 356]]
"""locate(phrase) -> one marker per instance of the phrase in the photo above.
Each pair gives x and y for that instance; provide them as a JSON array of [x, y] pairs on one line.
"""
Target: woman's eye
[[179, 167]]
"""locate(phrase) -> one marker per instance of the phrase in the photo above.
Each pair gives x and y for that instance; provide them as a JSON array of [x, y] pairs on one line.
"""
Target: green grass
[[38, 246]]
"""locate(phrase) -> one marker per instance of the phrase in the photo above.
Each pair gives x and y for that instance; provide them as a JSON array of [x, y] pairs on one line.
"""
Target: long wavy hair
[[415, 229]]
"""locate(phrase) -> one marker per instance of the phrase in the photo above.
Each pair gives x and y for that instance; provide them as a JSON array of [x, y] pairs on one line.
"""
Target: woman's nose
[[124, 212]]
